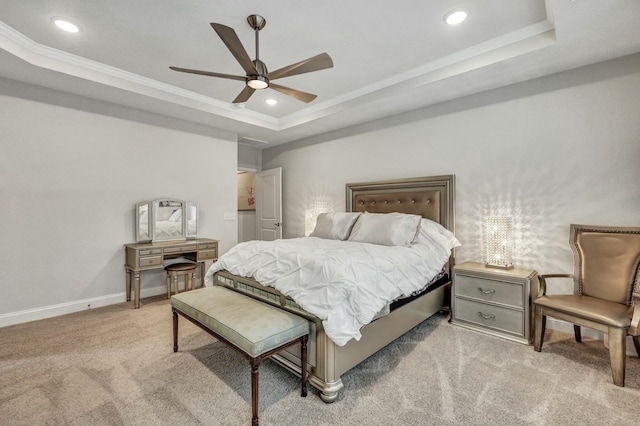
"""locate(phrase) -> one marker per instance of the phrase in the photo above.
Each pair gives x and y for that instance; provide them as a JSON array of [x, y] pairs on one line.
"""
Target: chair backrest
[[606, 261]]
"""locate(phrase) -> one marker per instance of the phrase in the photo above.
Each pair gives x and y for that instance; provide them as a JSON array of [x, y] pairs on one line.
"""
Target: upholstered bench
[[254, 329]]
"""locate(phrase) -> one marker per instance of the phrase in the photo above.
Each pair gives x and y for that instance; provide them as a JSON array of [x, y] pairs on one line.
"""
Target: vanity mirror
[[166, 219]]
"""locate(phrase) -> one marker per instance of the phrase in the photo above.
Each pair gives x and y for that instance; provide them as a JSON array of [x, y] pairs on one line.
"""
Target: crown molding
[[507, 46], [52, 59]]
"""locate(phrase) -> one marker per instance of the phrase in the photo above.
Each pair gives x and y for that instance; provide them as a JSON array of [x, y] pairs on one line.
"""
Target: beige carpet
[[116, 366]]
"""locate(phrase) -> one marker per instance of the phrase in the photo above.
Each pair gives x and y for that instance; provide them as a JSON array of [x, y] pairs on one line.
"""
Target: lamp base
[[499, 266]]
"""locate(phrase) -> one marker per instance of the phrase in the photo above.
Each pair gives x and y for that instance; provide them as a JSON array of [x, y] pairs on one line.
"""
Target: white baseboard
[[50, 311]]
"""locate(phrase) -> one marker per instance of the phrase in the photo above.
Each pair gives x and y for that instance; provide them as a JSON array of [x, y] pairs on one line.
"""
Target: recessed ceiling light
[[455, 17], [271, 101], [65, 25]]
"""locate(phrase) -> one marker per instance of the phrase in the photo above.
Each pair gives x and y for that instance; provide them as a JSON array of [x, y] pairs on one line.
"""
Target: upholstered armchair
[[606, 297]]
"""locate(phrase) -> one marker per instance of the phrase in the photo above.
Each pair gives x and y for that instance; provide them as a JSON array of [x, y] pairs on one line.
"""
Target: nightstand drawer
[[490, 316], [490, 290]]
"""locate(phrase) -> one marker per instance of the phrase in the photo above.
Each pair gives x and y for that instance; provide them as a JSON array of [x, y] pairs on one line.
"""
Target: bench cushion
[[250, 325]]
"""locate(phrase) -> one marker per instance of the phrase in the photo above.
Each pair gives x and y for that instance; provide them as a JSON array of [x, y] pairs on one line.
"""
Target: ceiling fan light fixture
[[455, 17], [257, 82]]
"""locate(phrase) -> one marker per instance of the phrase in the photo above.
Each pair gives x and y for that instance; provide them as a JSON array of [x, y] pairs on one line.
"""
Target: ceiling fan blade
[[297, 94], [231, 40], [316, 63], [210, 74], [244, 95]]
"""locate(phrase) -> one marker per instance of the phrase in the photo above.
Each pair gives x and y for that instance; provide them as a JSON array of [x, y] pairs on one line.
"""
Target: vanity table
[[152, 255]]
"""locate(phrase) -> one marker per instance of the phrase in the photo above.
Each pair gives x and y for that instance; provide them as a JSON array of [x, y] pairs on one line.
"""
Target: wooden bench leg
[[255, 365], [577, 333], [303, 363], [175, 330]]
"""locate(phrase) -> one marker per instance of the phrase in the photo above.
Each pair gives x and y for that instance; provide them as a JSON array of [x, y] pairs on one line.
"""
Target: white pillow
[[389, 229], [432, 232], [334, 226]]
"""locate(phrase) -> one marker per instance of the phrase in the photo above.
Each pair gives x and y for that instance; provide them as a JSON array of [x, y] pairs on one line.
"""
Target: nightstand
[[494, 301]]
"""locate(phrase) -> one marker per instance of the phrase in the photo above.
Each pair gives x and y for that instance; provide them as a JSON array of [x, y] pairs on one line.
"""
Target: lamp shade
[[310, 220], [498, 242]]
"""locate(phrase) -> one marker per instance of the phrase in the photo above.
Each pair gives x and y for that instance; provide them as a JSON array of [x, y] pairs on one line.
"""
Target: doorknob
[[277, 224]]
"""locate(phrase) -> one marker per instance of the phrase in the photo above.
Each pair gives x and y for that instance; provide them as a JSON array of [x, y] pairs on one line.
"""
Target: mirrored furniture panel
[[166, 220], [152, 255]]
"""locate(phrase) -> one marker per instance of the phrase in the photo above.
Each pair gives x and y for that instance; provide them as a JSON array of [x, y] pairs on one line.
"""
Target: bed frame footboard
[[327, 362]]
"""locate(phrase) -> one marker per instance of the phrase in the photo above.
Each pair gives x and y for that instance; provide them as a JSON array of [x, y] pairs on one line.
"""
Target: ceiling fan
[[257, 77]]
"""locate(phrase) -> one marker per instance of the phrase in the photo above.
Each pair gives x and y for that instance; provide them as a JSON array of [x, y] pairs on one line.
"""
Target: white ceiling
[[389, 57]]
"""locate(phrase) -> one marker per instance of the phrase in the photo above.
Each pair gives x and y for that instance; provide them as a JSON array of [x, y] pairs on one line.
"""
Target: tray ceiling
[[389, 57]]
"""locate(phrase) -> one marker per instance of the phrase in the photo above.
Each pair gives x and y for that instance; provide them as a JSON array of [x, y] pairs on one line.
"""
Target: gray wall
[[549, 152], [71, 172], [249, 158]]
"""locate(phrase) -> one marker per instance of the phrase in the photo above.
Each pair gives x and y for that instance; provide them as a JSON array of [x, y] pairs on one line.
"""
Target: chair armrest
[[635, 320], [542, 288]]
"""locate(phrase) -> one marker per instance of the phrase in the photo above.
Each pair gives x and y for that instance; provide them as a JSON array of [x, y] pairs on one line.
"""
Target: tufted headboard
[[431, 197]]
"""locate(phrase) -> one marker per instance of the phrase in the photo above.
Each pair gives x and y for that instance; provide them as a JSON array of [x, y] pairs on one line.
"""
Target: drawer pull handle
[[483, 291], [487, 316]]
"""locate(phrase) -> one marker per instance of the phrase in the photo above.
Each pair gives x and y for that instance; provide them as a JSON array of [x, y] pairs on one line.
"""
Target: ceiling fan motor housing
[[260, 80]]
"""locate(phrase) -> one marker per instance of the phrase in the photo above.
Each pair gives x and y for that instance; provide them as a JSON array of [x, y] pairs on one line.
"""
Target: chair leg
[[168, 287], [578, 334], [617, 354], [539, 328], [176, 284], [636, 343]]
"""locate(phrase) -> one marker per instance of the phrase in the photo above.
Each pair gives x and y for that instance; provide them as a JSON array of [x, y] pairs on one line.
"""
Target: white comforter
[[341, 282]]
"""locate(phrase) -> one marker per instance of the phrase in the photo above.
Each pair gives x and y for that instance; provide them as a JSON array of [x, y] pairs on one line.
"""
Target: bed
[[432, 198]]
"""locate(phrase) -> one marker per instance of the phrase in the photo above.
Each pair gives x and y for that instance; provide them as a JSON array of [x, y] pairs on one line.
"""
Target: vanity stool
[[186, 270]]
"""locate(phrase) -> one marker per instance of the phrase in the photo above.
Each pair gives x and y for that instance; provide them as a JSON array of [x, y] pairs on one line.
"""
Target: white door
[[269, 204]]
